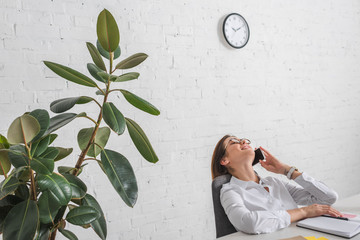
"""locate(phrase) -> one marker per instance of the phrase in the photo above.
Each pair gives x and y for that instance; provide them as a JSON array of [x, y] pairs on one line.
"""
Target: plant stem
[[113, 90], [111, 62], [86, 159], [53, 235], [32, 185], [97, 125], [96, 102], [84, 152], [90, 119], [33, 194]]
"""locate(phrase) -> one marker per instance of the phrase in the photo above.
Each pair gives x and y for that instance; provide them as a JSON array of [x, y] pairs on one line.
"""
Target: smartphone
[[258, 156]]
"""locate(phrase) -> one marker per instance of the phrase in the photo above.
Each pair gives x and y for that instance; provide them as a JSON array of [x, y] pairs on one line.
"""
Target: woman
[[261, 205]]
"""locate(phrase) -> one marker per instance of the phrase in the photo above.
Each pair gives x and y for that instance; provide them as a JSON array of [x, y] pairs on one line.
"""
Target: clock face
[[236, 30]]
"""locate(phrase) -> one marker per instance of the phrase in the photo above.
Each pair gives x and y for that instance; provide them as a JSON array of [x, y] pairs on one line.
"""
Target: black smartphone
[[258, 156]]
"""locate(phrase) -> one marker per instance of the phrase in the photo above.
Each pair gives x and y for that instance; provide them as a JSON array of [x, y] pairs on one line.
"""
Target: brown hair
[[216, 168]]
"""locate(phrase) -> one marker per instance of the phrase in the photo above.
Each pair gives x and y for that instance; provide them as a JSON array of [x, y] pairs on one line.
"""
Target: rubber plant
[[35, 201]]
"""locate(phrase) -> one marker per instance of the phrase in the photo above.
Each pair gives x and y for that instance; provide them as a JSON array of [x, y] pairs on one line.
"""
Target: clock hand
[[239, 28], [234, 29]]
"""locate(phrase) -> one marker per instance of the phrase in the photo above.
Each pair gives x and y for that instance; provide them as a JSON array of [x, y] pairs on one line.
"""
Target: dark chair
[[223, 225]]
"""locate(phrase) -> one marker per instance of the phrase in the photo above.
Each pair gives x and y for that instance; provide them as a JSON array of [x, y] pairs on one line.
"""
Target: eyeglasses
[[238, 141]]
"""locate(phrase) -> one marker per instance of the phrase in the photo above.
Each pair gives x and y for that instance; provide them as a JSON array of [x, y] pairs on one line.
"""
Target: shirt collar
[[244, 184]]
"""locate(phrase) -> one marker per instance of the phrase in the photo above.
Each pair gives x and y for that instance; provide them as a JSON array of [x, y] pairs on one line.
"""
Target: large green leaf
[[127, 77], [131, 61], [43, 232], [94, 70], [50, 153], [6, 204], [4, 141], [98, 225], [140, 103], [105, 53], [38, 147], [63, 153], [70, 74], [18, 156], [65, 169], [78, 187], [42, 116], [107, 31], [47, 208], [95, 55], [98, 92], [68, 234], [70, 170], [53, 137], [21, 173], [57, 186], [10, 200], [141, 141], [121, 175], [23, 129], [42, 165], [62, 105], [101, 138], [82, 215], [23, 191], [8, 186], [106, 77], [22, 221], [5, 164], [61, 120], [113, 118]]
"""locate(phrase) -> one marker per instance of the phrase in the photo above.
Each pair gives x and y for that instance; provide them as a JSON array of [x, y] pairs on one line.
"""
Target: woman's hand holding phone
[[272, 164]]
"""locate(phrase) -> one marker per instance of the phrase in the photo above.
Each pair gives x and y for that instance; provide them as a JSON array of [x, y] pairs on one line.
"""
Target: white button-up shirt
[[252, 209]]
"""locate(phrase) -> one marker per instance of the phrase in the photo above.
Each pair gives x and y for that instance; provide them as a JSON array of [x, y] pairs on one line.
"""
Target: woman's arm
[[248, 220], [272, 164], [314, 210], [311, 190]]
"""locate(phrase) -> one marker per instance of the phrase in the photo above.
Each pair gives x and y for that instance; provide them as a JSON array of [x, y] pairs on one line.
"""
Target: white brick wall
[[293, 89]]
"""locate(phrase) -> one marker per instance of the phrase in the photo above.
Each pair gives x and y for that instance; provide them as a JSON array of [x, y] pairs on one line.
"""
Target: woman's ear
[[224, 161]]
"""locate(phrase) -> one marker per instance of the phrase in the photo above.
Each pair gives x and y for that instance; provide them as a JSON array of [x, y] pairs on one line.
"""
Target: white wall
[[294, 89]]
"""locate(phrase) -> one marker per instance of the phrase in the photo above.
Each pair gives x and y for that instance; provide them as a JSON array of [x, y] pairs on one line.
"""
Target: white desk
[[351, 205]]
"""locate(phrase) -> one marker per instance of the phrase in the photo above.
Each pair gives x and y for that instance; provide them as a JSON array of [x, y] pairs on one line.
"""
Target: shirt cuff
[[287, 218], [304, 177]]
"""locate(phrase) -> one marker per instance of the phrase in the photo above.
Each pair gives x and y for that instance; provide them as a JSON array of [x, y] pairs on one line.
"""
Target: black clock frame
[[223, 29]]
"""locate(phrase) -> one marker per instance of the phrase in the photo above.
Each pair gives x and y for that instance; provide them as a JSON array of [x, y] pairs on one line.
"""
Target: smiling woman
[[257, 205]]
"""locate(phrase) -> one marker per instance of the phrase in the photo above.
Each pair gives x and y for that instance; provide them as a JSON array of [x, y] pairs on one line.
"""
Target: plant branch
[[113, 90], [91, 140], [96, 102], [33, 194], [32, 186], [100, 89], [90, 119], [86, 159], [111, 62]]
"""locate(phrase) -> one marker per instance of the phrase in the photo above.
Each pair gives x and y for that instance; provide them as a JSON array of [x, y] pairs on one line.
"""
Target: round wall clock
[[236, 30]]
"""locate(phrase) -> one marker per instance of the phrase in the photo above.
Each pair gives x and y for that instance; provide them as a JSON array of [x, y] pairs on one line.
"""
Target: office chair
[[222, 223]]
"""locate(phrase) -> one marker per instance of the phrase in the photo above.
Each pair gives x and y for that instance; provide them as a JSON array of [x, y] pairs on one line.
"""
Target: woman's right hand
[[316, 210]]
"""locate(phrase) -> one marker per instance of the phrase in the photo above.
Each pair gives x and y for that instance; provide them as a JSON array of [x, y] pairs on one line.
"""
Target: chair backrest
[[223, 225]]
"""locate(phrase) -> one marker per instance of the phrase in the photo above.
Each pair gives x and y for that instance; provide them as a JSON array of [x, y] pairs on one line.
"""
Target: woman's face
[[238, 150]]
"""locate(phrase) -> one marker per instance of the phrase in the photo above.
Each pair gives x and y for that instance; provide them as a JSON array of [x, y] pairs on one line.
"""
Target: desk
[[351, 205]]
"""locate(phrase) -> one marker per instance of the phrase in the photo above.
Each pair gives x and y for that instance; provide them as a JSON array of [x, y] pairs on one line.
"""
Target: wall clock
[[236, 30]]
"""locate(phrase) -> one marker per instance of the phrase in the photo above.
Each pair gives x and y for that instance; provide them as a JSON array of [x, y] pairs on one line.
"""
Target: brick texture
[[294, 89]]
